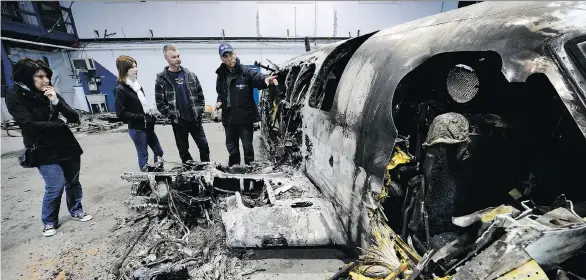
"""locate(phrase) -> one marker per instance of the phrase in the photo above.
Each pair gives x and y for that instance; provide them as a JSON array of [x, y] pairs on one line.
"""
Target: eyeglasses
[[227, 55]]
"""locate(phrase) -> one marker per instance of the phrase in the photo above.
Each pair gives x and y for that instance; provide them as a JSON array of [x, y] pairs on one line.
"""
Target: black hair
[[24, 70]]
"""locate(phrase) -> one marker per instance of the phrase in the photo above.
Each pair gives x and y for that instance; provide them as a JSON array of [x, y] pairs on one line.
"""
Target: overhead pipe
[[219, 39], [184, 46], [39, 44], [141, 47]]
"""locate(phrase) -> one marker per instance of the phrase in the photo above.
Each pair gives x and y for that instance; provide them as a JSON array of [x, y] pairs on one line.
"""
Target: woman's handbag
[[26, 157]]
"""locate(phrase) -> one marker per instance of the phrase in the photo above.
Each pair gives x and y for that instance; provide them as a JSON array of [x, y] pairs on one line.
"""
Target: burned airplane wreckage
[[444, 148]]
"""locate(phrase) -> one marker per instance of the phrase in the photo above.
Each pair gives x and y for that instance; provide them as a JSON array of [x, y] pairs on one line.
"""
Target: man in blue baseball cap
[[235, 84]]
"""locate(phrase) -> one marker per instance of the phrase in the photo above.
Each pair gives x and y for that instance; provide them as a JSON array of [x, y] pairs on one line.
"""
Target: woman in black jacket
[[35, 106], [131, 106]]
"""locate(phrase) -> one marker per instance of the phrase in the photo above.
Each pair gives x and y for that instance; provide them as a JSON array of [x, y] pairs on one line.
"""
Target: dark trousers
[[59, 177], [234, 133], [182, 131], [142, 140]]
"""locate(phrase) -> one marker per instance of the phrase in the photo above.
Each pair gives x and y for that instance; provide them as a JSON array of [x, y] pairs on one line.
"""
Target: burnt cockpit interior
[[281, 105], [281, 113], [470, 139]]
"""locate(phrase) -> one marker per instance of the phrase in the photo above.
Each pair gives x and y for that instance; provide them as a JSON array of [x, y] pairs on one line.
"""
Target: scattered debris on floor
[[94, 123], [89, 123], [206, 118], [11, 128], [196, 220], [94, 127]]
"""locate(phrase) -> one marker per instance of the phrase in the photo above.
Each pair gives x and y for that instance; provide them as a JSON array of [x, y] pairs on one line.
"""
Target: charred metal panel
[[573, 90], [296, 214], [555, 247], [282, 225]]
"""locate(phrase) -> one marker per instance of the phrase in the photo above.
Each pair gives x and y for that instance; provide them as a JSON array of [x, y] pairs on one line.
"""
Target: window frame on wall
[[10, 11], [54, 17], [21, 12]]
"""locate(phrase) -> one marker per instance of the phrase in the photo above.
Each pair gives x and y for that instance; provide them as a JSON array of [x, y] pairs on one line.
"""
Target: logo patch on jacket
[[241, 86]]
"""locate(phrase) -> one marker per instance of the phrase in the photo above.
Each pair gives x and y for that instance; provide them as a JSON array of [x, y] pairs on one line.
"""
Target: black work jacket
[[40, 124], [242, 81]]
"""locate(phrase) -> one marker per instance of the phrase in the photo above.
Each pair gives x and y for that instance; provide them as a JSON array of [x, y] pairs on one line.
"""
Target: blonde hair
[[123, 64]]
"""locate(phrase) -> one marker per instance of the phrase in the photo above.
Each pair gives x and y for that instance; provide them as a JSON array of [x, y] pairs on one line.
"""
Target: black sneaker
[[49, 230], [83, 217]]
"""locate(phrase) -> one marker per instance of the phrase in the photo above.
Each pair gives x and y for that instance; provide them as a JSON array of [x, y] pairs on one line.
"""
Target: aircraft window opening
[[301, 86], [323, 96], [576, 49]]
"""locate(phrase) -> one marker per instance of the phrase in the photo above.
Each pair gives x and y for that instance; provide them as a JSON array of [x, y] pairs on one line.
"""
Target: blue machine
[[255, 91], [255, 94]]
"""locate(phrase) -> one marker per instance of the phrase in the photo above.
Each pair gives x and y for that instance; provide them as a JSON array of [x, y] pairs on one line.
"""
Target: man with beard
[[235, 84], [180, 98]]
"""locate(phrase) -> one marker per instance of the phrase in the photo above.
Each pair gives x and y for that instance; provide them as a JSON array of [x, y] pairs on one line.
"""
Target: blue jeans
[[142, 140], [58, 177]]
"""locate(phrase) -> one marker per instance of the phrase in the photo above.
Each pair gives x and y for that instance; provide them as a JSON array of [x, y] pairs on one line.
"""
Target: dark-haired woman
[[131, 106], [35, 107]]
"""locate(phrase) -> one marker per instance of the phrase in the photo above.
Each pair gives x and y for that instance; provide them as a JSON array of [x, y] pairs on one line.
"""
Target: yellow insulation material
[[356, 276], [503, 209], [387, 257], [384, 193], [399, 157]]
